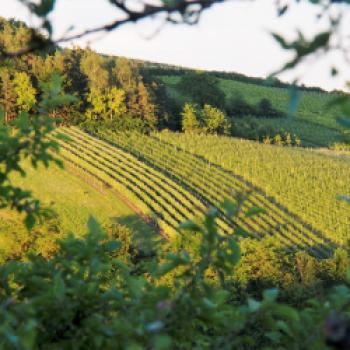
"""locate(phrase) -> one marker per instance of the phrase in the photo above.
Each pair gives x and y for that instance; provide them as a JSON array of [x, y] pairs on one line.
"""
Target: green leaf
[[344, 122], [270, 294], [293, 100], [253, 305], [59, 287], [190, 225], [162, 342], [282, 10], [43, 8], [344, 198], [253, 211], [229, 207], [29, 221], [94, 227], [281, 41], [112, 246]]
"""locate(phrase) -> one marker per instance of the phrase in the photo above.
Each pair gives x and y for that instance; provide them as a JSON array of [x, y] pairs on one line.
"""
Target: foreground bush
[[84, 297]]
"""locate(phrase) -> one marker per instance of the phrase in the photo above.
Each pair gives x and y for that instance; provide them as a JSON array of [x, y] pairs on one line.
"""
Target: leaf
[[112, 246], [281, 41], [162, 342], [59, 287], [253, 305], [254, 211], [344, 122], [293, 100], [287, 312], [233, 251], [270, 294], [190, 225], [230, 207], [155, 326], [94, 227], [344, 198], [282, 10], [43, 8], [29, 221]]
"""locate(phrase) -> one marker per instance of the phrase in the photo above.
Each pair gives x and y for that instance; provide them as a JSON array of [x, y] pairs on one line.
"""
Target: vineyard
[[175, 177], [306, 182]]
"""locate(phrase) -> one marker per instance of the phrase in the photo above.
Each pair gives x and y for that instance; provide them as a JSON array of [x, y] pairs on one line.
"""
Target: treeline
[[119, 94], [107, 89], [161, 69]]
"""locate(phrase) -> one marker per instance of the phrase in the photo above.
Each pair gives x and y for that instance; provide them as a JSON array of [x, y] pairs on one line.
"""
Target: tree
[[146, 109], [265, 106], [93, 66], [214, 120], [116, 103], [26, 94], [125, 73], [202, 88], [190, 120], [42, 67], [8, 95], [98, 104]]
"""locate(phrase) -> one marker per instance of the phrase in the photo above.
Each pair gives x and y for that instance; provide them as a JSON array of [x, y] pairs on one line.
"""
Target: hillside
[[315, 122], [74, 197], [174, 177]]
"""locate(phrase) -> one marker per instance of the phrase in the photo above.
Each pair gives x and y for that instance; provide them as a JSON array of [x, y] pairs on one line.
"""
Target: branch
[[179, 6]]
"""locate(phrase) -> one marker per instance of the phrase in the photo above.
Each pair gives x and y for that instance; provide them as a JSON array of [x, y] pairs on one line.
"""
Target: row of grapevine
[[161, 197], [213, 184], [306, 182]]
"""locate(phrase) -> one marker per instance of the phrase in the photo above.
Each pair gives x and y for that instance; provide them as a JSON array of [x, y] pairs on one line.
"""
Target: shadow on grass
[[145, 237]]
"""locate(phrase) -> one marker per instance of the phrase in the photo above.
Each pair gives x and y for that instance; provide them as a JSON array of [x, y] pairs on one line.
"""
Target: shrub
[[190, 119], [215, 121]]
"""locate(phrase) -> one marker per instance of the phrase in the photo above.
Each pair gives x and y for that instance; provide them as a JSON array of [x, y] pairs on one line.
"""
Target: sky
[[233, 36]]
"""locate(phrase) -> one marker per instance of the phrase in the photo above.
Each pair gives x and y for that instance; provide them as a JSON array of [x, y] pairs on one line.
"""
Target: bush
[[208, 120], [85, 297], [215, 121]]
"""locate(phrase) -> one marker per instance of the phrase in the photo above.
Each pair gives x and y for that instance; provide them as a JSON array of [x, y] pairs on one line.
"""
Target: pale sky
[[233, 36]]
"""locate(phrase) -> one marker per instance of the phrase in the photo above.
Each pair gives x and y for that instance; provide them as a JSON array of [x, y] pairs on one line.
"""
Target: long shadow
[[144, 238]]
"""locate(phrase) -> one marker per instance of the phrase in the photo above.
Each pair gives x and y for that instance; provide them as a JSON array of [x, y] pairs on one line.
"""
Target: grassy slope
[[74, 200], [314, 123]]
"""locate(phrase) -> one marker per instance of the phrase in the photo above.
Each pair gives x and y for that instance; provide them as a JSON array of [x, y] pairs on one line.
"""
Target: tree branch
[[182, 7]]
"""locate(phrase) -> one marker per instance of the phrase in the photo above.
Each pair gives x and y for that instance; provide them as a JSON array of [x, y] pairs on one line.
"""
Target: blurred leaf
[[189, 225], [293, 100], [254, 211]]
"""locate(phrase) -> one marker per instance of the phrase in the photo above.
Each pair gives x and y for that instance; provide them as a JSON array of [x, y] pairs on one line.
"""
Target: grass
[[74, 200]]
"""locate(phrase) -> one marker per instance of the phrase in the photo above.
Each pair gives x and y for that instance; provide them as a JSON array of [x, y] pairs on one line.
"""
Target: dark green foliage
[[87, 296], [159, 69], [237, 106], [202, 88]]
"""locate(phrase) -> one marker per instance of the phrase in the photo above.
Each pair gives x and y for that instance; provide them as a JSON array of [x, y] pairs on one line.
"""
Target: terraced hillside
[[172, 184]]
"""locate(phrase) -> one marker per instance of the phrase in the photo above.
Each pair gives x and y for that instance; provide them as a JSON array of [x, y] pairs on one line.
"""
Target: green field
[[314, 122]]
